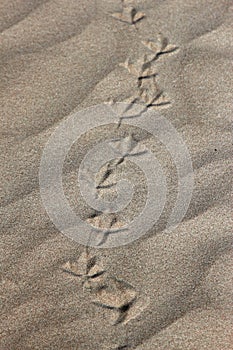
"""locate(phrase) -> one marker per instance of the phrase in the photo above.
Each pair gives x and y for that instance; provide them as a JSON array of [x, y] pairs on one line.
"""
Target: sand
[[58, 57]]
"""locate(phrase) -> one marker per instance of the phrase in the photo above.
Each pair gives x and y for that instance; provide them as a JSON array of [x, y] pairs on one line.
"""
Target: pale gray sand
[[59, 57]]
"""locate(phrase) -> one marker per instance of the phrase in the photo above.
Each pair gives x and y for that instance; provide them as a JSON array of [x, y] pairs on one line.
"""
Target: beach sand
[[163, 291]]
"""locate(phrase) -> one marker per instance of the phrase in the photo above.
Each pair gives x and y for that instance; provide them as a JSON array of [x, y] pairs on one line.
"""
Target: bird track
[[106, 291]]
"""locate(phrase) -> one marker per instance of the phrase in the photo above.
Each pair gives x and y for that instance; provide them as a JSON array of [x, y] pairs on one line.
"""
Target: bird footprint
[[127, 146], [150, 94], [160, 45], [111, 226], [141, 67], [129, 15], [118, 296], [88, 269]]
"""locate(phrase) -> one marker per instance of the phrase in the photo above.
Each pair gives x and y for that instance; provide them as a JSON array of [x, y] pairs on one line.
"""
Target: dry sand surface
[[163, 291]]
